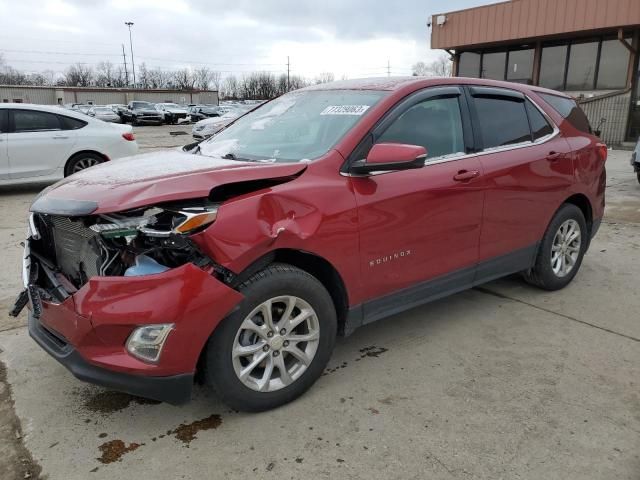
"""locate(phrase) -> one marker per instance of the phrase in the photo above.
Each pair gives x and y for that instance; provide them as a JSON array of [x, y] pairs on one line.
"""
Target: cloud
[[346, 37]]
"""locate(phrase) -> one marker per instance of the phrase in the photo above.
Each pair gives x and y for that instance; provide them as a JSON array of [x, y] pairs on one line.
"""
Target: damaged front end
[[63, 253]]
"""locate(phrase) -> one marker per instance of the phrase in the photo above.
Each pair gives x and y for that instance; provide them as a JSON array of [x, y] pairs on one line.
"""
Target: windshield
[[103, 110], [297, 126], [170, 105]]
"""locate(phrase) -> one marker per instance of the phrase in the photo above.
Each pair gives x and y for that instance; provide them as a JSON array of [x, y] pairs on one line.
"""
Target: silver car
[[105, 114]]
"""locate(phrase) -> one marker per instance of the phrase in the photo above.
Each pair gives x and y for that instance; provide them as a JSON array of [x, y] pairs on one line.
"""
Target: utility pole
[[288, 74], [133, 65], [388, 67], [124, 60]]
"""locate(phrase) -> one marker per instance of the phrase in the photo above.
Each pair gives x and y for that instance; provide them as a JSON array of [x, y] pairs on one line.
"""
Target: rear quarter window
[[69, 123], [569, 109]]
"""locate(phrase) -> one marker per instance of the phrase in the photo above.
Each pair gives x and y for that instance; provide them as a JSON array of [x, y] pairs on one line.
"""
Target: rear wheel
[[82, 161], [276, 345], [562, 249]]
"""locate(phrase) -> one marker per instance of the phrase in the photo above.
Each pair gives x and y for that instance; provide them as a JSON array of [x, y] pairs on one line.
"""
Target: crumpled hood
[[148, 179]]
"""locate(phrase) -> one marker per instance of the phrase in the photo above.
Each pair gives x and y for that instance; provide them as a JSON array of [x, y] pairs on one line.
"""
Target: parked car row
[[141, 112]]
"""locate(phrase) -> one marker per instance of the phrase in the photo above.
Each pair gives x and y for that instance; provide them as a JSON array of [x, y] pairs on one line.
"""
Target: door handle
[[466, 175], [554, 156], [60, 137]]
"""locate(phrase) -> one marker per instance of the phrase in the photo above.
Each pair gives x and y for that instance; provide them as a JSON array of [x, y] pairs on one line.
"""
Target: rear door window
[[502, 121], [569, 109], [34, 121]]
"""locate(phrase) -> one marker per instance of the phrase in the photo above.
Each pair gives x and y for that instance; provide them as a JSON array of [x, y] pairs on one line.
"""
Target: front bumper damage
[[86, 330]]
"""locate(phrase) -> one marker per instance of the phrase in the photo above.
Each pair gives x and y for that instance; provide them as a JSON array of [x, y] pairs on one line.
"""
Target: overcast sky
[[347, 37]]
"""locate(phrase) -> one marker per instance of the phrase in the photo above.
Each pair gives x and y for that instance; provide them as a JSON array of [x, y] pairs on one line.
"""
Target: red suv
[[331, 207]]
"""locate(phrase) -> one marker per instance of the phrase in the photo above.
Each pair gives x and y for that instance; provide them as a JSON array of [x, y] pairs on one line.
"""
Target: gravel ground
[[503, 381]]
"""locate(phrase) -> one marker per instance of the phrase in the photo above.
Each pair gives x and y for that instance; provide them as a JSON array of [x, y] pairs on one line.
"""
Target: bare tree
[[230, 88], [159, 78], [325, 77], [202, 78], [440, 67], [216, 80], [143, 76], [105, 74], [183, 79], [79, 75]]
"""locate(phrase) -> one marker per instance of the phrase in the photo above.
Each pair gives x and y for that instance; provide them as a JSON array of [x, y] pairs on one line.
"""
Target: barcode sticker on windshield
[[345, 110]]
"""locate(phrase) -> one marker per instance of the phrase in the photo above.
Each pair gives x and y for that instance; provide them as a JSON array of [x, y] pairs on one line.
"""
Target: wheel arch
[[314, 265], [582, 202], [81, 152]]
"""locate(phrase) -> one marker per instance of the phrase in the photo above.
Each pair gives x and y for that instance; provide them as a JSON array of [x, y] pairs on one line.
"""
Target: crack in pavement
[[568, 317]]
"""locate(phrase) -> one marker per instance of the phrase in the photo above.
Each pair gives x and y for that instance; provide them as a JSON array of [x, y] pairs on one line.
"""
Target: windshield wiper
[[232, 156]]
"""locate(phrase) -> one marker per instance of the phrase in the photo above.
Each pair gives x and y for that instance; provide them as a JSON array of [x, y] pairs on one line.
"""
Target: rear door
[[38, 144], [527, 168], [4, 156]]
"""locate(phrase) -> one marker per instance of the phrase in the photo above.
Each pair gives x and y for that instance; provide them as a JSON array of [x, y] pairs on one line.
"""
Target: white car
[[173, 112], [45, 143], [210, 126]]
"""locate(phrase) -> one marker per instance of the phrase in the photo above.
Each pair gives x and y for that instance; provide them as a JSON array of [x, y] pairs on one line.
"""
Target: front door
[[420, 225], [37, 144]]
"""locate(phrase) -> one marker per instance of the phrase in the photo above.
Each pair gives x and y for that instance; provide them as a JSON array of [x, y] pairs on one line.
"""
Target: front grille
[[71, 246]]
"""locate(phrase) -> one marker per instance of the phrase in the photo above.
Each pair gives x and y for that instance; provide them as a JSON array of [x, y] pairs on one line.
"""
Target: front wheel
[[638, 174], [276, 344], [561, 251]]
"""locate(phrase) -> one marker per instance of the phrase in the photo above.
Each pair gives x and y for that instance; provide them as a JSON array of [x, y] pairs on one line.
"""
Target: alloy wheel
[[85, 163], [276, 343], [565, 249]]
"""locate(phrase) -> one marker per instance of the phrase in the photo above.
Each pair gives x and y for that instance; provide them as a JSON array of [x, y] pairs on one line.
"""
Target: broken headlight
[[158, 222]]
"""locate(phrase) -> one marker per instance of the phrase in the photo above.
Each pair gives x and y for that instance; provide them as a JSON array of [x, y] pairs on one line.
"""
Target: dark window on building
[[493, 65], [569, 109], [69, 123], [539, 125], [552, 67], [614, 63], [435, 124], [469, 65], [502, 121], [581, 74], [520, 66], [34, 121]]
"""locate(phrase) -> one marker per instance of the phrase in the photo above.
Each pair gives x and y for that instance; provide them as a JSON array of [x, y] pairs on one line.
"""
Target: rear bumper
[[175, 389]]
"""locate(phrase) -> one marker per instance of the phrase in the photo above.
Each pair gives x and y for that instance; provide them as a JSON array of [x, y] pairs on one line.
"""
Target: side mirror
[[390, 157]]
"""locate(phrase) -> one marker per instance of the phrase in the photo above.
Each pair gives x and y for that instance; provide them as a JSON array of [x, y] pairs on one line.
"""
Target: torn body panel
[[285, 218]]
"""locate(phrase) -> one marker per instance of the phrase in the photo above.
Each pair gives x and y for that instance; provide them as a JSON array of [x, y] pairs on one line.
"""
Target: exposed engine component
[[139, 242]]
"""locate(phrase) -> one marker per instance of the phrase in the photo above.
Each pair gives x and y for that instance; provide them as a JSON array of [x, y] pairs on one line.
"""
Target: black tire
[[542, 274], [275, 280], [638, 175], [80, 161]]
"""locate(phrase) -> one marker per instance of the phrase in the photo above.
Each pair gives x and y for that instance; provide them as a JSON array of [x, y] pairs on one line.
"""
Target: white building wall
[[55, 95]]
